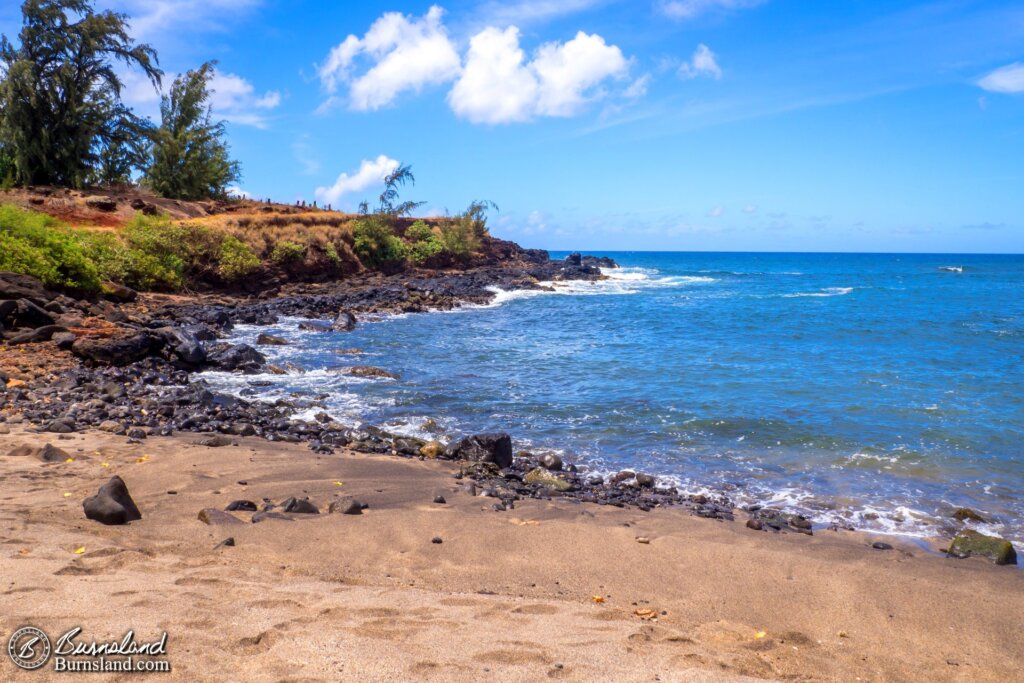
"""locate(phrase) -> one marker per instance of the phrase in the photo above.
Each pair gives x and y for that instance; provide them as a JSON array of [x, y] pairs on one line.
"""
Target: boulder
[[345, 322], [242, 506], [644, 480], [64, 340], [119, 293], [184, 345], [970, 543], [241, 357], [61, 425], [112, 504], [7, 309], [368, 371], [493, 448], [28, 314], [118, 350], [19, 286], [47, 453], [968, 515], [432, 449], [270, 340], [39, 334], [312, 326], [105, 204], [550, 461], [542, 477], [215, 517], [215, 441], [574, 259]]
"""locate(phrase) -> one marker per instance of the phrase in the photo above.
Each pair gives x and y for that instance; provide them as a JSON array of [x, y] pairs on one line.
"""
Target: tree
[[60, 95], [189, 155]]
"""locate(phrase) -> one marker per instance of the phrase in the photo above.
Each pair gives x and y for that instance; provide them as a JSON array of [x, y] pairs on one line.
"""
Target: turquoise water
[[883, 390]]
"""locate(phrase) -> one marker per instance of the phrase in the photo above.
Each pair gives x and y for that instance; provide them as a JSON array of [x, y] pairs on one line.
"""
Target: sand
[[507, 596]]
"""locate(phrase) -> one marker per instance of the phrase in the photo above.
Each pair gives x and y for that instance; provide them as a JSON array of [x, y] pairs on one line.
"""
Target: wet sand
[[507, 596]]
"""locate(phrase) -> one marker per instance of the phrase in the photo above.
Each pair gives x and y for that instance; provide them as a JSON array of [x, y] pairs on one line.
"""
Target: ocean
[[882, 391]]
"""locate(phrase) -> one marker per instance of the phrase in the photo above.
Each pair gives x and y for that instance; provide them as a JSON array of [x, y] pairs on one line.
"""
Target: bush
[[375, 241], [424, 243], [38, 245], [419, 232], [287, 252], [236, 259]]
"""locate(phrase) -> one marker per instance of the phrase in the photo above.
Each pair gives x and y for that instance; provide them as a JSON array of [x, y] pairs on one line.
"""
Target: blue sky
[[850, 125]]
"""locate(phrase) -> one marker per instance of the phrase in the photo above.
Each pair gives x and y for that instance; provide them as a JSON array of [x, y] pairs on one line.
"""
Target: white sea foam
[[830, 291]]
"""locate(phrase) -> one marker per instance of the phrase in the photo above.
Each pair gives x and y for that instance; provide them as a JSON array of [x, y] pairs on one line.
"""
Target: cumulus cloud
[[690, 9], [406, 53], [235, 100], [370, 173], [1005, 79], [702, 63], [498, 85]]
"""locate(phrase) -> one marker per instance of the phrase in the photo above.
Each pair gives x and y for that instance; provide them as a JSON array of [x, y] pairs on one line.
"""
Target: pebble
[[878, 545], [436, 539], [440, 500]]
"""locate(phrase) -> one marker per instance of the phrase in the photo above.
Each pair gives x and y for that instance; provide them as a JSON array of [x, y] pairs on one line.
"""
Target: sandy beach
[[546, 590]]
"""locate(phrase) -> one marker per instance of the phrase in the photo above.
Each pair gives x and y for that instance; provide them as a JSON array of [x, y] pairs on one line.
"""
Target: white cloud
[[690, 9], [716, 211], [154, 18], [497, 85], [235, 191], [1005, 79], [638, 88], [750, 208], [370, 173], [407, 54], [235, 100], [703, 63]]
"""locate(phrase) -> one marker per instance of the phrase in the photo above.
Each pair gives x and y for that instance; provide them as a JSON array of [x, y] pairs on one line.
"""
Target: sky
[[692, 125]]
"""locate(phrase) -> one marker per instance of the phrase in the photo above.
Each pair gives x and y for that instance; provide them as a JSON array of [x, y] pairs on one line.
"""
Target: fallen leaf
[[647, 614], [80, 551], [760, 634], [24, 551], [597, 598], [70, 460], [142, 459], [67, 494], [339, 483], [104, 464]]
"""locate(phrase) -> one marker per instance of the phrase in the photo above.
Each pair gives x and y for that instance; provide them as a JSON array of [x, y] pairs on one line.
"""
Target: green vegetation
[[423, 243], [190, 157], [288, 252], [375, 241], [236, 259], [38, 245], [62, 121]]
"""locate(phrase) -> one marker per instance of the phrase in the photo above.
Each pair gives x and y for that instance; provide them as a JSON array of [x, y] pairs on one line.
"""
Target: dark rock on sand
[[270, 340], [969, 543], [112, 504], [241, 506], [644, 480], [755, 524], [440, 500], [879, 545], [346, 506], [62, 425], [215, 517], [493, 448], [437, 539], [300, 506], [216, 441]]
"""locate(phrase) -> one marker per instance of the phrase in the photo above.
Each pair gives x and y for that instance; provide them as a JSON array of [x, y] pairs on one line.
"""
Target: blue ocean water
[[882, 390]]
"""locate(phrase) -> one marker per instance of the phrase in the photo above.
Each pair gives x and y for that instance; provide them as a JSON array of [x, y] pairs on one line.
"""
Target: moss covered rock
[[970, 543], [432, 449], [547, 479]]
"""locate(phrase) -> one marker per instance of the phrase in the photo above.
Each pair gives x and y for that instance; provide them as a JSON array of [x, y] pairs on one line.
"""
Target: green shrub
[[459, 237], [236, 259], [36, 244], [375, 241], [287, 252], [331, 252], [419, 232]]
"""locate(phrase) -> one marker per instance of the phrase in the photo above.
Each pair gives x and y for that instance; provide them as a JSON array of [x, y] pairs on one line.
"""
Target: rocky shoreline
[[129, 365]]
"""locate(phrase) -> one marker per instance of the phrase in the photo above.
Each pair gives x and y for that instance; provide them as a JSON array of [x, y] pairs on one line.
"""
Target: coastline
[[371, 597]]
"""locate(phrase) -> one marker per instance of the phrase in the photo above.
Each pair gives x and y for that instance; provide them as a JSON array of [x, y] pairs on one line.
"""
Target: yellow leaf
[[142, 459], [104, 464], [760, 634], [597, 598], [338, 483], [80, 551], [70, 460], [67, 494]]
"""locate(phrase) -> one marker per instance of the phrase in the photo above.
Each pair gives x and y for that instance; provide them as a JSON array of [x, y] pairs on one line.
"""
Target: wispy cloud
[[702, 63], [154, 18], [530, 11], [690, 9], [1006, 79]]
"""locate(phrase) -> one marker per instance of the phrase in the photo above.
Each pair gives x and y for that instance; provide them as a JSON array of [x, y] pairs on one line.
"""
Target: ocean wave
[[828, 291]]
